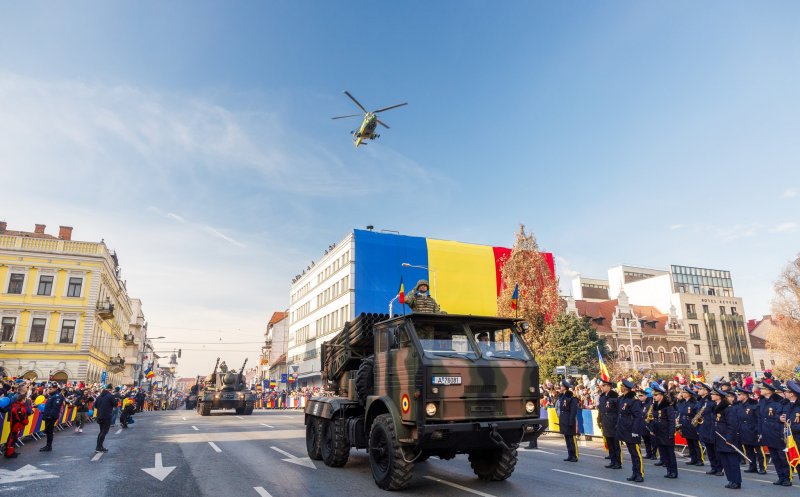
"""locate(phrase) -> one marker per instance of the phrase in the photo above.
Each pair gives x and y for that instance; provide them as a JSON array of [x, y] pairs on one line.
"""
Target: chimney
[[3, 226], [39, 229], [65, 232]]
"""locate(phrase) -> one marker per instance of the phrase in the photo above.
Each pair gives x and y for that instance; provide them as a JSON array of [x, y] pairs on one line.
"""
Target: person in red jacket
[[18, 418]]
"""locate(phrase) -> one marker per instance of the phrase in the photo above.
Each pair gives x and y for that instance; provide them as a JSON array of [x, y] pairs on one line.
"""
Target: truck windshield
[[450, 340], [498, 342]]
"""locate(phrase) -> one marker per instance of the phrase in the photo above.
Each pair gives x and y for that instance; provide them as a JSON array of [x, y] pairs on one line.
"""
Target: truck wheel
[[240, 410], [248, 410], [365, 379], [205, 410], [493, 464], [312, 439], [333, 444], [389, 468]]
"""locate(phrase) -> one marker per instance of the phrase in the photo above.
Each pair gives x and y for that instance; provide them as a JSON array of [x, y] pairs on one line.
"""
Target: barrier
[[587, 423], [35, 426]]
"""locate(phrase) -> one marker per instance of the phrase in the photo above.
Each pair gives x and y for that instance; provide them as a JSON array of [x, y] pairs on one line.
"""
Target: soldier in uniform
[[725, 429], [706, 430], [629, 429], [419, 300], [647, 430], [770, 427], [791, 415], [664, 429], [608, 412], [567, 410], [747, 418], [687, 409]]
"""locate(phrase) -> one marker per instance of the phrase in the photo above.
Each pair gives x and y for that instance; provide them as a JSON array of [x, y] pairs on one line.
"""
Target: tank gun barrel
[[241, 371], [214, 374]]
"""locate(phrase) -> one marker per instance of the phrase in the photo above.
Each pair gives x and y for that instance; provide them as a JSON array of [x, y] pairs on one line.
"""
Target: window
[[8, 325], [733, 311], [722, 310], [662, 355], [444, 339], [762, 365], [37, 330], [45, 285], [649, 354], [15, 283], [67, 331], [711, 291], [696, 350], [699, 365], [694, 331], [74, 287], [691, 311], [682, 356], [705, 309]]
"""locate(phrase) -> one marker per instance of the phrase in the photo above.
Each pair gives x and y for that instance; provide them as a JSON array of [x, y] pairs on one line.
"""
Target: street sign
[[284, 378]]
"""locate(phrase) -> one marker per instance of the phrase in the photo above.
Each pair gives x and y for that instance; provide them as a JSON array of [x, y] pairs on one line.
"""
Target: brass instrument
[[678, 423], [649, 417], [697, 420]]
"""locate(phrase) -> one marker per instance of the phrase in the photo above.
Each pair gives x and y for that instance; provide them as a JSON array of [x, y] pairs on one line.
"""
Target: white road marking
[[634, 485], [118, 431], [268, 426], [460, 487], [301, 461], [25, 473], [260, 491], [537, 450], [239, 417], [183, 418], [214, 446], [159, 471], [195, 428], [97, 456]]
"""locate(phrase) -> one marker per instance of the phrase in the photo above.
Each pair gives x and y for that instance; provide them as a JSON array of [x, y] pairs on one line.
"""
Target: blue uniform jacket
[[793, 417], [52, 407], [567, 409], [724, 424], [646, 428], [629, 424], [706, 430], [770, 426], [687, 410], [608, 413], [663, 425], [747, 421]]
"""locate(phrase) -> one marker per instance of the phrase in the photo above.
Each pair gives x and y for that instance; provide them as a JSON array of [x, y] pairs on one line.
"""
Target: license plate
[[446, 380], [228, 396]]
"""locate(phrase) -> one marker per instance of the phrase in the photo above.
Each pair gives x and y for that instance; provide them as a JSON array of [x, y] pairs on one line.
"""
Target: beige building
[[760, 334], [276, 342], [64, 308]]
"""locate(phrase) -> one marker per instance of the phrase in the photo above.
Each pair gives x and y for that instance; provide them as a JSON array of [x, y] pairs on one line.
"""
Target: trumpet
[[649, 416], [697, 420]]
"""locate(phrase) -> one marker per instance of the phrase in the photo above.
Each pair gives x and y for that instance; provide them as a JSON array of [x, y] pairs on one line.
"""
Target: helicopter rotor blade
[[389, 108], [382, 123], [356, 101], [343, 117]]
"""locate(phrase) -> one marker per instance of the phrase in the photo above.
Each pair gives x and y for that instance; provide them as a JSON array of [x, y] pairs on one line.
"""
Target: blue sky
[[195, 138]]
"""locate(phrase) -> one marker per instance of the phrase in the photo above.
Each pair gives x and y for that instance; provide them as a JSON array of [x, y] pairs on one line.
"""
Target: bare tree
[[784, 340]]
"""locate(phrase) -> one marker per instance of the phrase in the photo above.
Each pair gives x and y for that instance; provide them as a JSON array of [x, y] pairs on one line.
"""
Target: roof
[[601, 314], [277, 317], [758, 342], [28, 234]]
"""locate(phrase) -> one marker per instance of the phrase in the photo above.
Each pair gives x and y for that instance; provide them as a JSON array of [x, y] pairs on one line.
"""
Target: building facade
[[64, 308], [705, 303]]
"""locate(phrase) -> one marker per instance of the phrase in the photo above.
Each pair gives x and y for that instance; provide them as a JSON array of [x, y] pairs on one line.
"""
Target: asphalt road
[[264, 455]]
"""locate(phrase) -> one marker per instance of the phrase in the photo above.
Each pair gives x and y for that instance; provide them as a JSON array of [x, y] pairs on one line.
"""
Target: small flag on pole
[[603, 369], [515, 296], [401, 295], [149, 372]]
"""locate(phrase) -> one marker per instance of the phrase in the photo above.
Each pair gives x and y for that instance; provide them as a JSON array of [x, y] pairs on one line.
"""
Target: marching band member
[[645, 398], [725, 429], [567, 409], [706, 429], [664, 430], [608, 415], [747, 415], [771, 407], [687, 409], [629, 429], [791, 415]]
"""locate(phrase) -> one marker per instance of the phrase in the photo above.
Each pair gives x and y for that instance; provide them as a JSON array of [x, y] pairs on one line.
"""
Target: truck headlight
[[430, 409], [529, 407]]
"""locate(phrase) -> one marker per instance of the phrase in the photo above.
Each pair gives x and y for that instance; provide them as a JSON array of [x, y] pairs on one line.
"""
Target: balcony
[[691, 315], [116, 364], [105, 310], [129, 339], [268, 343]]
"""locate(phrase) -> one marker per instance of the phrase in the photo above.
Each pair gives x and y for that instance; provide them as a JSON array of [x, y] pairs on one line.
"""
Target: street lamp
[[432, 270]]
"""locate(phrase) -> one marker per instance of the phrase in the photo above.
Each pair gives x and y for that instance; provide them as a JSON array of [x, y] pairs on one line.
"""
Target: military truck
[[410, 387], [225, 391]]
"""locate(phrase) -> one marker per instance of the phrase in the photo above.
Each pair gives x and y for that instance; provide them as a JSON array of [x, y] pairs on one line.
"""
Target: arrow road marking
[[268, 426], [97, 456], [260, 491], [25, 473], [195, 428], [118, 431], [214, 446], [239, 417], [302, 461], [159, 471], [183, 418]]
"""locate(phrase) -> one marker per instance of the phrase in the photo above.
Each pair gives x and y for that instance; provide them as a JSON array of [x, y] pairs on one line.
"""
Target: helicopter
[[370, 122]]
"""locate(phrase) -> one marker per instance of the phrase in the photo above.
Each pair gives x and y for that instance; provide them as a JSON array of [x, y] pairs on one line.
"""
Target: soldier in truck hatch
[[419, 300]]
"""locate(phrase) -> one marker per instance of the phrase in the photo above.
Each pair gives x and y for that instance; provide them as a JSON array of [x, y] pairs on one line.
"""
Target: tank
[[225, 391]]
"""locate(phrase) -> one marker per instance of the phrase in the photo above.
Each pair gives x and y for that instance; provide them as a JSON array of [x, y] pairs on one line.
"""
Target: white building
[[321, 302], [590, 289]]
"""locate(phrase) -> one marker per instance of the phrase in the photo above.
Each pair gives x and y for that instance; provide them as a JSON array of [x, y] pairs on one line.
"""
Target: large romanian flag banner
[[464, 278]]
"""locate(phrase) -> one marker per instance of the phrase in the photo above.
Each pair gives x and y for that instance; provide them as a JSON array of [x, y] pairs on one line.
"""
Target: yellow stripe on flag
[[465, 280]]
